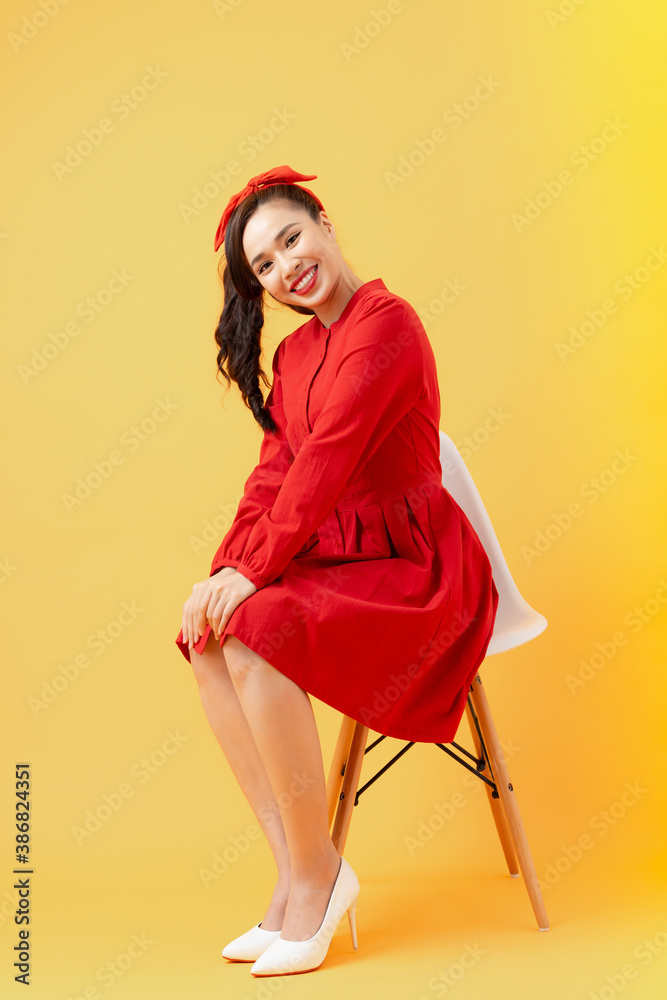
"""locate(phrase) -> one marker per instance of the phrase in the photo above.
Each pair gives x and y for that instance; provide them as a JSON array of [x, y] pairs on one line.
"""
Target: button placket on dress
[[325, 533], [322, 354]]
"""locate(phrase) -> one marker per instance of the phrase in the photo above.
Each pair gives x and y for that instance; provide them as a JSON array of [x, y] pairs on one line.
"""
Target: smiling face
[[295, 258]]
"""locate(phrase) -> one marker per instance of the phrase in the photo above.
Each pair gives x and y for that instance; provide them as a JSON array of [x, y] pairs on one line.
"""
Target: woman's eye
[[293, 236]]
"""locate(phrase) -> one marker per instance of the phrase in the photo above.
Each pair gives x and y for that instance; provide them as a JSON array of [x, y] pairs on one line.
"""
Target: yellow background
[[220, 73]]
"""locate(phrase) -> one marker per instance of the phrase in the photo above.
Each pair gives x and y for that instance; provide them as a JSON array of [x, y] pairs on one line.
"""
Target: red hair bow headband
[[277, 175]]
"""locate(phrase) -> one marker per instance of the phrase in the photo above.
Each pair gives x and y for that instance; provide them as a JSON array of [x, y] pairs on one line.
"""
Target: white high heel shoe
[[249, 946], [285, 957]]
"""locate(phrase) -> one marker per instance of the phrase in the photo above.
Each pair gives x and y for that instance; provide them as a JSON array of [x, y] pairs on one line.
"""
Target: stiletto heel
[[286, 957], [351, 918]]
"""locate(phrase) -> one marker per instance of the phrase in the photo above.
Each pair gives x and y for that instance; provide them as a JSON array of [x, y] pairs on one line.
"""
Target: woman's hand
[[212, 602]]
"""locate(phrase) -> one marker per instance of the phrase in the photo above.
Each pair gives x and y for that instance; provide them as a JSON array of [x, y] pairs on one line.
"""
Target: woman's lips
[[307, 288]]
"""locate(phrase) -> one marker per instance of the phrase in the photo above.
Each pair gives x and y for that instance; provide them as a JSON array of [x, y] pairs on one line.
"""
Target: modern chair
[[516, 622]]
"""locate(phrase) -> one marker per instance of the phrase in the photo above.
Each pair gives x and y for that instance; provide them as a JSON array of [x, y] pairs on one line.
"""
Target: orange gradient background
[[541, 200]]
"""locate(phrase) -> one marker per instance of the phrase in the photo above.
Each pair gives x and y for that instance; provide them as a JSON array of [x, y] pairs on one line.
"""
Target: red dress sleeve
[[262, 485], [366, 402]]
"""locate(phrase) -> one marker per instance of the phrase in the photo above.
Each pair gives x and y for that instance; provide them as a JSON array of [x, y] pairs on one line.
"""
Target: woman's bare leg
[[282, 722], [230, 727]]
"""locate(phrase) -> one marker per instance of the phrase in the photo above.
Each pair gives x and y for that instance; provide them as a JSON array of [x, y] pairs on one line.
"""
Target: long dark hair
[[238, 333]]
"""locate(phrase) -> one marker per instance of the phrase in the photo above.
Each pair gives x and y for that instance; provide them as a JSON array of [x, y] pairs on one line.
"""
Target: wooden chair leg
[[340, 755], [350, 785], [508, 799], [496, 806]]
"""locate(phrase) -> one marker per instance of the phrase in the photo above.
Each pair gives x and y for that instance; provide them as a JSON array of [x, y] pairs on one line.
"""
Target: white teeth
[[304, 281]]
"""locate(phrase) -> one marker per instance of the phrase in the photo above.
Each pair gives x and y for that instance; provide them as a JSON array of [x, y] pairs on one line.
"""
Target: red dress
[[374, 592]]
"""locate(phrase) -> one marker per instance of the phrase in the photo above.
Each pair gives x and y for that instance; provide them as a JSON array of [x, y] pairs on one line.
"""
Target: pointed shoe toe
[[249, 946], [286, 957]]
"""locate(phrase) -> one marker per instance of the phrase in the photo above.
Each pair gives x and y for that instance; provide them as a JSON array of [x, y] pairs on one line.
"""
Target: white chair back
[[516, 621]]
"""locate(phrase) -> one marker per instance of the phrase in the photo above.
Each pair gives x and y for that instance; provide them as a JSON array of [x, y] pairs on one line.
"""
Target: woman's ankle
[[275, 912]]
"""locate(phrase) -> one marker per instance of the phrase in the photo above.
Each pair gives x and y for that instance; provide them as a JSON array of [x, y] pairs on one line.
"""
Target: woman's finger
[[214, 613], [199, 613], [196, 629], [191, 619], [227, 610]]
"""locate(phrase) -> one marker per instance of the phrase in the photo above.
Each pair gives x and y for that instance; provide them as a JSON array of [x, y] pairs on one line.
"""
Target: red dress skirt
[[374, 593]]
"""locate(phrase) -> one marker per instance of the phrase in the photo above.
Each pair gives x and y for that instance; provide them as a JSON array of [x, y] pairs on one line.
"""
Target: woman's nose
[[291, 269]]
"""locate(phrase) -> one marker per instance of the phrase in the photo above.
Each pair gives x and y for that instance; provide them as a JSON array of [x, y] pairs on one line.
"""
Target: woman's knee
[[210, 663], [241, 660]]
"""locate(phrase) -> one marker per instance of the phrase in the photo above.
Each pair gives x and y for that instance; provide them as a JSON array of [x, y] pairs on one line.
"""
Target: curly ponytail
[[238, 333]]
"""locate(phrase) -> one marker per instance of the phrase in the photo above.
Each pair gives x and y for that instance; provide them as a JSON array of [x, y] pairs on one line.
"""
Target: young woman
[[348, 573]]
